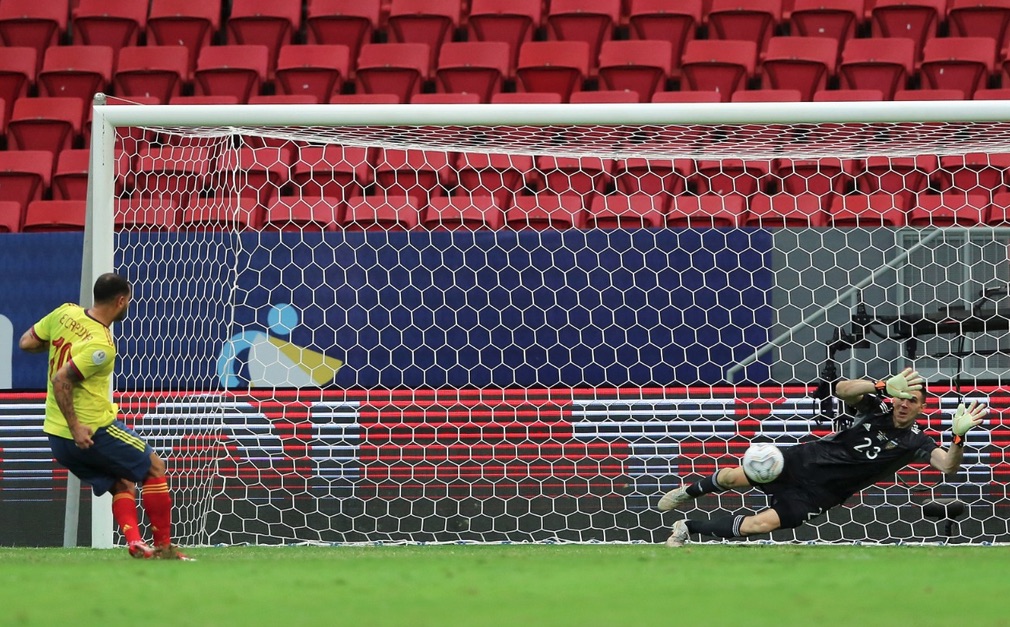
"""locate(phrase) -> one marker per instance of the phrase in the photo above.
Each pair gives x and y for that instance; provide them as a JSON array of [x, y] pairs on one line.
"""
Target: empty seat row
[[644, 68], [334, 171], [196, 23], [539, 212]]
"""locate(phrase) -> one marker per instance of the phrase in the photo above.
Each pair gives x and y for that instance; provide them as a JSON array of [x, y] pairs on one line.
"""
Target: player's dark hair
[[109, 287]]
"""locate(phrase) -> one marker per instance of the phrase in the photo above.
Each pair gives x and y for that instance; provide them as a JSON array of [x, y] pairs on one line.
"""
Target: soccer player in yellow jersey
[[85, 433]]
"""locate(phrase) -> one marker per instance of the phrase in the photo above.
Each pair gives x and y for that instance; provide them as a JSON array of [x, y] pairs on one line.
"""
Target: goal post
[[524, 322]]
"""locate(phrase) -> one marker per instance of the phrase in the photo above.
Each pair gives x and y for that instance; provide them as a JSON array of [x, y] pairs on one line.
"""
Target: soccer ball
[[762, 463]]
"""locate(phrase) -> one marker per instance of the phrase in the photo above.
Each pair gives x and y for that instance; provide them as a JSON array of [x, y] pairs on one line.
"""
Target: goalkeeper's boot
[[171, 552], [678, 536], [140, 550], [674, 499]]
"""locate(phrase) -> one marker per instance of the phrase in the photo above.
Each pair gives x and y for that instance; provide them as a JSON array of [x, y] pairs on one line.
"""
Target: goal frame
[[98, 254]]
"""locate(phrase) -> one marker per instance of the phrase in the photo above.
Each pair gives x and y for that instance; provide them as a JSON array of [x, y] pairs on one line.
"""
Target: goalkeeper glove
[[966, 419], [903, 384]]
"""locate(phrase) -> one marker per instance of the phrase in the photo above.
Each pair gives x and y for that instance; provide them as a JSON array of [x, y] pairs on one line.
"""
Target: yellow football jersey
[[75, 337]]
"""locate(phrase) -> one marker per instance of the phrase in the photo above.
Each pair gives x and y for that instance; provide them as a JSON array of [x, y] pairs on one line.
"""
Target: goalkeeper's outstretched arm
[[949, 461], [905, 384]]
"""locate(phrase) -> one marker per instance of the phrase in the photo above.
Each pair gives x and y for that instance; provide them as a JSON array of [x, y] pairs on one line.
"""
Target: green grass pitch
[[512, 585]]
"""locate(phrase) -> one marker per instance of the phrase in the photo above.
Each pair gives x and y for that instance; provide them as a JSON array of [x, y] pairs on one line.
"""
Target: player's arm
[[31, 343], [853, 390], [949, 461], [63, 389], [901, 385]]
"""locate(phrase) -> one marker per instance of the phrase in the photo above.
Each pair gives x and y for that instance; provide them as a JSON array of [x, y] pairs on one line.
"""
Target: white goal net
[[525, 323]]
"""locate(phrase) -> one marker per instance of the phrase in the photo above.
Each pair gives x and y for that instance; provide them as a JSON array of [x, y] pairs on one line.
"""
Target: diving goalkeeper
[[819, 475]]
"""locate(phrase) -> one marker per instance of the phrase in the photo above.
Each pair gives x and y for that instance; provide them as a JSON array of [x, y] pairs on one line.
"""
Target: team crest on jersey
[[99, 357]]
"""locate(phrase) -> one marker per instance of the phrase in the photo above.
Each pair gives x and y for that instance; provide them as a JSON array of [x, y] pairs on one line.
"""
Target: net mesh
[[496, 333]]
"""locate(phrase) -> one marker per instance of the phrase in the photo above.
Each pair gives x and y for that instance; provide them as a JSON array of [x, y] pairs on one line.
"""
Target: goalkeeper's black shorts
[[795, 499]]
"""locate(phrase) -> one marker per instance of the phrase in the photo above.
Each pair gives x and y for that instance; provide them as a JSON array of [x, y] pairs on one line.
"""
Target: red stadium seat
[[497, 175], [917, 20], [963, 63], [344, 22], [898, 176], [999, 210], [301, 213], [867, 210], [70, 180], [218, 99], [591, 21], [706, 210], [529, 97], [147, 213], [17, 75], [545, 211], [767, 95], [928, 94], [54, 215], [113, 23], [687, 96], [233, 70], [641, 66], [470, 213], [511, 21], [981, 18], [257, 173], [332, 171], [399, 69], [33, 24], [76, 72], [172, 171], [729, 176], [881, 63], [559, 66], [160, 72], [993, 94], [605, 96], [802, 63], [822, 177], [189, 24], [836, 19], [653, 177], [221, 213], [950, 209], [417, 173], [973, 173], [477, 67], [754, 20], [365, 99], [25, 174], [316, 70], [10, 216], [443, 98], [45, 124], [722, 66], [430, 22], [283, 99], [270, 23], [617, 211], [381, 213], [661, 20], [786, 210], [570, 175], [848, 95]]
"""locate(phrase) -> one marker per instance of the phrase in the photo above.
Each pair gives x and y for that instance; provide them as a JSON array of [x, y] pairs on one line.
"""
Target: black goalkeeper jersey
[[872, 449]]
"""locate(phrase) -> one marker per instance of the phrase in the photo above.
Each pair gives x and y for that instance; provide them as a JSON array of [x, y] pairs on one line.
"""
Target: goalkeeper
[[822, 474]]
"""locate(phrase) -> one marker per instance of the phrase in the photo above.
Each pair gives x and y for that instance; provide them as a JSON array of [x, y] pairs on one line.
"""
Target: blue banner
[[571, 308]]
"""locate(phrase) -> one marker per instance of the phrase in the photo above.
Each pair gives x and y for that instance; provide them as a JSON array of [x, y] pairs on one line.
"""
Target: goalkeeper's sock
[[124, 511], [705, 486], [725, 527], [158, 505]]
